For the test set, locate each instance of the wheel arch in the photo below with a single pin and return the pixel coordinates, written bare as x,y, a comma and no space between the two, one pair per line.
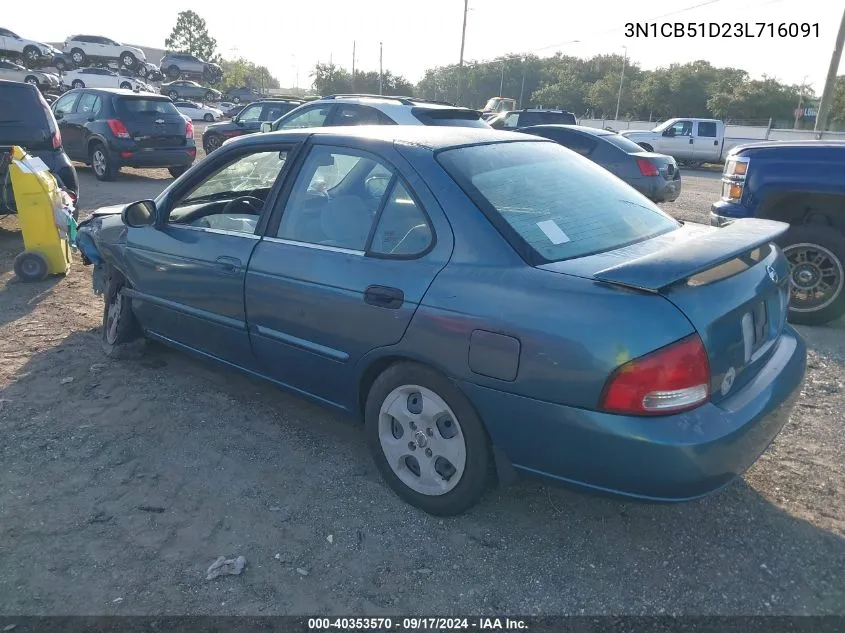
798,207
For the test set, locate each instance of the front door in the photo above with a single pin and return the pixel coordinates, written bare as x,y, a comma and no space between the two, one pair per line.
250,119
346,260
678,141
188,272
70,124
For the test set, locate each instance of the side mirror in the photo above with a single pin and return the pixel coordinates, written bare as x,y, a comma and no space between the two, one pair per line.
139,214
266,126
237,121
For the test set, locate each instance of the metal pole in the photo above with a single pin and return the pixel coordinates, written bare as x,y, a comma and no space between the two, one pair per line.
800,100
461,62
380,71
522,90
353,65
827,94
502,82
621,79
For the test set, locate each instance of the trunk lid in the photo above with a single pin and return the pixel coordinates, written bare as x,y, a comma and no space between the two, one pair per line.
152,122
732,284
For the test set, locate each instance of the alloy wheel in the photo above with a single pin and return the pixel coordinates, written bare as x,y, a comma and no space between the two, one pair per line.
816,277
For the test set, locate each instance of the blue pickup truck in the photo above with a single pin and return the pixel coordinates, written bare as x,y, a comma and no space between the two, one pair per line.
801,183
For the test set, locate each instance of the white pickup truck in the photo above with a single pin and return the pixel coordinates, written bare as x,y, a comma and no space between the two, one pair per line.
689,141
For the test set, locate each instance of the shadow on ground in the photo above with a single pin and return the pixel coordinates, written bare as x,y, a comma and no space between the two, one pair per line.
123,481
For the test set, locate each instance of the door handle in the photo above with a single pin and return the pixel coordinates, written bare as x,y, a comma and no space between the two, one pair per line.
229,265
690,141
384,297
716,142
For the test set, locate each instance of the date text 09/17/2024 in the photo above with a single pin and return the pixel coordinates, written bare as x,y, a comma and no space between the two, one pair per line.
722,29
417,624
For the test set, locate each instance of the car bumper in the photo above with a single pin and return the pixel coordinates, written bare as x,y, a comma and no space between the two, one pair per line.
156,157
723,212
658,189
662,459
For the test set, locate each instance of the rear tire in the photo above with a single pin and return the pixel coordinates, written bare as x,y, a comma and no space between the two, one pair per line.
438,420
173,72
30,266
212,142
77,83
32,80
121,336
646,147
78,56
210,96
816,257
126,85
101,163
31,55
128,60
177,171
173,95
236,99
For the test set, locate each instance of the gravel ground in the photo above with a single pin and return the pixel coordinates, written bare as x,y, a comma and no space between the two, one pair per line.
121,482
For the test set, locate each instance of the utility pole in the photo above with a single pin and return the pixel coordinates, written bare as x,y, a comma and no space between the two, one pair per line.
800,101
502,82
353,65
827,94
522,90
380,69
621,79
461,62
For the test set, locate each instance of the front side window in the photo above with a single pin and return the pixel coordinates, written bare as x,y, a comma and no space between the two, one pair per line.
511,120
313,116
252,113
232,198
681,128
551,205
65,104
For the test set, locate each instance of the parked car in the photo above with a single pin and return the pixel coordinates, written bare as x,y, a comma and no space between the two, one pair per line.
99,78
198,112
176,65
184,89
84,48
247,121
497,105
38,78
450,288
656,176
337,110
30,52
26,121
244,95
691,142
110,128
62,62
531,116
801,183
149,72
225,106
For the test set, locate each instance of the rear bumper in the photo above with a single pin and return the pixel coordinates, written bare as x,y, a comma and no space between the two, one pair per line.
158,157
667,459
658,189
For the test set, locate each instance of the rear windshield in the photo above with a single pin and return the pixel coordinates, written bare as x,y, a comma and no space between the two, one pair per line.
545,118
24,118
550,203
625,144
449,118
152,107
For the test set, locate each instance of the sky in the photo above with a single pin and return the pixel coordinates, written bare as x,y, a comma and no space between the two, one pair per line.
291,37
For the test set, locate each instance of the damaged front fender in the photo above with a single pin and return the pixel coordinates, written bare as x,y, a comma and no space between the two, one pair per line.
96,239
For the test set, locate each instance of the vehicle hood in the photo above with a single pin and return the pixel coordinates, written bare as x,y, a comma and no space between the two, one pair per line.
221,128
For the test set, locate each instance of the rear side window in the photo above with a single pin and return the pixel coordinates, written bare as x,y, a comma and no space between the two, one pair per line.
551,205
149,107
707,128
90,104
18,105
449,117
25,118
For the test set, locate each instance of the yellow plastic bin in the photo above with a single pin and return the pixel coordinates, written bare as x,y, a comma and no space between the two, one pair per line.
44,216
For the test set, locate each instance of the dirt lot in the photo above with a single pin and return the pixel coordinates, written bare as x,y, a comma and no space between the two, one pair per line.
120,482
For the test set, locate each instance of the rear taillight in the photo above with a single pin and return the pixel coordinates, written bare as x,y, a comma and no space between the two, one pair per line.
672,379
189,129
647,168
56,139
118,128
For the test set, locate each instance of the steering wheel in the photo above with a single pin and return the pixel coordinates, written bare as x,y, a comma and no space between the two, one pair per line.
250,202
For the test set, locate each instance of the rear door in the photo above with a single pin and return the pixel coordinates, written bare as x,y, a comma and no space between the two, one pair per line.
88,108
347,257
707,143
154,122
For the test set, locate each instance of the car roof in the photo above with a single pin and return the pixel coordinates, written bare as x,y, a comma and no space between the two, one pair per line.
429,136
801,143
583,129
388,100
120,92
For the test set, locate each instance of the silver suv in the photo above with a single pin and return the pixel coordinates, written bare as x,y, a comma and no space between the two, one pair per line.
180,65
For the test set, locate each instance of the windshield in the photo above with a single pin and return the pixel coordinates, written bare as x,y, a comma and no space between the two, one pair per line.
247,174
550,203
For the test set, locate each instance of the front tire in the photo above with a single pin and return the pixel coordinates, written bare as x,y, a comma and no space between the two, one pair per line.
78,56
128,60
427,440
236,99
32,80
173,95
173,72
77,83
210,96
816,256
101,163
212,142
126,85
121,336
31,54
209,118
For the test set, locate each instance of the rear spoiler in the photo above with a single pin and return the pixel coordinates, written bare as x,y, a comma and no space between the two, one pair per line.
686,259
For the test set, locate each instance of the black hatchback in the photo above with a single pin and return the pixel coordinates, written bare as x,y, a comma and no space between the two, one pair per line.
111,128
26,121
